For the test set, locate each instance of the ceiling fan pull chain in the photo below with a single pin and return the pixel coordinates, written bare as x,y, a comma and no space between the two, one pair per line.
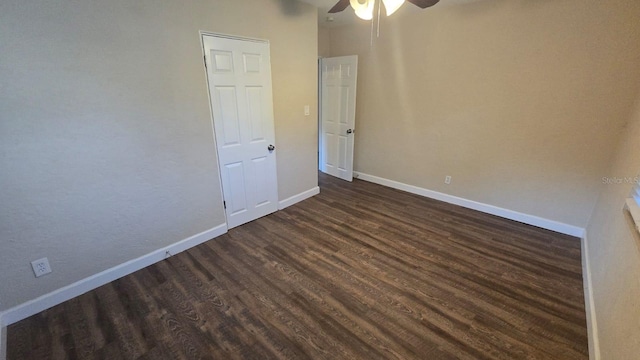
372,34
379,8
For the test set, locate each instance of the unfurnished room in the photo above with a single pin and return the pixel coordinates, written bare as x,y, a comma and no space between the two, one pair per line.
320,179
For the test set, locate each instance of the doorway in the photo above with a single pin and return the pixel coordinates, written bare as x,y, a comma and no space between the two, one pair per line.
239,81
338,80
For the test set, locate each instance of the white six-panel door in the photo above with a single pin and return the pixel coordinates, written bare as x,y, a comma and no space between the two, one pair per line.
239,74
338,115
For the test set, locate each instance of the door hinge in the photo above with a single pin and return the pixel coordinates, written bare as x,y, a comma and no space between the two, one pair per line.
205,61
224,203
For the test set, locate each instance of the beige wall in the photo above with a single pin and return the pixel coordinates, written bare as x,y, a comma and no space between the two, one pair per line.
522,102
106,146
614,255
324,42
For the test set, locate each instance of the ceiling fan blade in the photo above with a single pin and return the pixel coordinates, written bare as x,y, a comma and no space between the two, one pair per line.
423,3
341,5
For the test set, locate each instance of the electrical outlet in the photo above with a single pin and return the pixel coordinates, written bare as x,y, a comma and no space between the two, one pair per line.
447,180
41,267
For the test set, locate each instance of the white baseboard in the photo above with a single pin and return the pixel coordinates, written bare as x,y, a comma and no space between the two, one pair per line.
592,323
68,292
489,209
3,341
299,197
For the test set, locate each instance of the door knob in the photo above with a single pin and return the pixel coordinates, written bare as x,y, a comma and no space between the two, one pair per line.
271,148
349,131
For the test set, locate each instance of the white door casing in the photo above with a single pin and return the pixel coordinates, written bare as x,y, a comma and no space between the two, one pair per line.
338,115
239,79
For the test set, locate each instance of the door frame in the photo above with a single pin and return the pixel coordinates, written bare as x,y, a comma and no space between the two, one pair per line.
320,158
202,34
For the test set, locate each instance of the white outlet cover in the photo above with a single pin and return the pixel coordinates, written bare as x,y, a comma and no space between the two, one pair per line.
41,267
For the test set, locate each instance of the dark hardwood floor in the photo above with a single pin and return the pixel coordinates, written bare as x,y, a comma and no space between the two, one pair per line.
358,272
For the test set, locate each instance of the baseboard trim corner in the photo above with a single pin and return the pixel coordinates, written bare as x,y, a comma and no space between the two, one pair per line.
592,323
80,287
474,205
298,197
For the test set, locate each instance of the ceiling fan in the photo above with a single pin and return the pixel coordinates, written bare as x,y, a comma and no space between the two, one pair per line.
364,8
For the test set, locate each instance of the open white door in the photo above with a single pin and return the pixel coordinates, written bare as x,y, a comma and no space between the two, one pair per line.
239,74
338,115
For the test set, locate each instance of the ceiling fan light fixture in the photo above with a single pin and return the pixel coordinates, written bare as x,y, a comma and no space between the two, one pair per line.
392,5
363,8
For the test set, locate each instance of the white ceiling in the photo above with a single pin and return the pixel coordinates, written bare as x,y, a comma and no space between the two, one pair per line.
347,16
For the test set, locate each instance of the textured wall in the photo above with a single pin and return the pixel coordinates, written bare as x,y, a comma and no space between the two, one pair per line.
614,254
106,144
522,102
324,42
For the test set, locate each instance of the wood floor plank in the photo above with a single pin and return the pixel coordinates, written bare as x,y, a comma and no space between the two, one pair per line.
360,271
